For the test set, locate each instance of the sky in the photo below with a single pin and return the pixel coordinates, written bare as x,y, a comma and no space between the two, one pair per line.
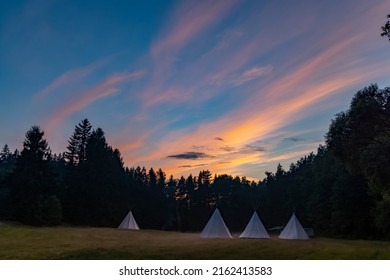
235,87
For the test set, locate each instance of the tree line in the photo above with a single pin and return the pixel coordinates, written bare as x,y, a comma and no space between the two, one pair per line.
342,190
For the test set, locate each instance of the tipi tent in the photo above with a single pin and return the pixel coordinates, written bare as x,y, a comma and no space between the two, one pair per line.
129,222
293,230
216,227
255,228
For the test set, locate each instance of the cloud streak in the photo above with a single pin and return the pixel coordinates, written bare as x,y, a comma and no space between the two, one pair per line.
105,89
191,166
70,77
188,20
186,23
252,73
190,155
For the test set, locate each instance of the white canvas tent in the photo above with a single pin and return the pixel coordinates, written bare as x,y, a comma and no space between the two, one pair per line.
129,222
255,228
293,230
215,227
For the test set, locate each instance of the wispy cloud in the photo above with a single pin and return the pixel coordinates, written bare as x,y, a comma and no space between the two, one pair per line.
191,166
107,88
190,155
228,149
173,93
249,148
188,20
252,73
198,147
71,77
185,24
292,139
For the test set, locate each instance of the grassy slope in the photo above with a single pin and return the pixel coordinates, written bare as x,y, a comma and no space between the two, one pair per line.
20,242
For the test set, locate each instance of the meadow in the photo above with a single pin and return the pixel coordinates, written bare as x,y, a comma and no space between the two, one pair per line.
23,242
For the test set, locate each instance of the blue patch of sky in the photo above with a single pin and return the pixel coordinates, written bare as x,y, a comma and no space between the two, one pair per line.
215,108
73,34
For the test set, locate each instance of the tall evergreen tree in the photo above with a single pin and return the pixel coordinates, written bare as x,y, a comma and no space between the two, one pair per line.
75,157
7,161
77,148
7,165
5,154
100,197
152,179
161,180
33,179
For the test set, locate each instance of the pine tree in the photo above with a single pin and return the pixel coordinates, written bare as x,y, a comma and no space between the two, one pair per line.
33,179
152,179
4,154
77,147
98,195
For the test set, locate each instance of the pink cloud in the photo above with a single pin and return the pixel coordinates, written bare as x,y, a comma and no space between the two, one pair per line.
185,24
240,46
253,73
169,95
105,89
71,76
188,20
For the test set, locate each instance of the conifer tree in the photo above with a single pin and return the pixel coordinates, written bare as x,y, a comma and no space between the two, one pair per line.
33,179
77,147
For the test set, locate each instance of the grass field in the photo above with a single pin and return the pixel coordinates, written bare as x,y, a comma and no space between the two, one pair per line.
22,242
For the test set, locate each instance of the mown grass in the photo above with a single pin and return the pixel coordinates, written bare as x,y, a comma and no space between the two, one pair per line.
22,242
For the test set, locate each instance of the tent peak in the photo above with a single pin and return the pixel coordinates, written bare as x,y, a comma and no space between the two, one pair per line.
216,227
293,230
255,228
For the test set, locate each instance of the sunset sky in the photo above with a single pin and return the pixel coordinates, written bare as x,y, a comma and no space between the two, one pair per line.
235,87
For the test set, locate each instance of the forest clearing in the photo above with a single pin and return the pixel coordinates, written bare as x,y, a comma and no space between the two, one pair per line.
39,243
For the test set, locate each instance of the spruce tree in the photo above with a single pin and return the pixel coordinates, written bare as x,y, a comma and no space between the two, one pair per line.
33,179
77,147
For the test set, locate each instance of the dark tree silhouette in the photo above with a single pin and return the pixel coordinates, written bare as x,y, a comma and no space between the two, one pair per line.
360,139
386,29
7,166
77,148
7,161
33,179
